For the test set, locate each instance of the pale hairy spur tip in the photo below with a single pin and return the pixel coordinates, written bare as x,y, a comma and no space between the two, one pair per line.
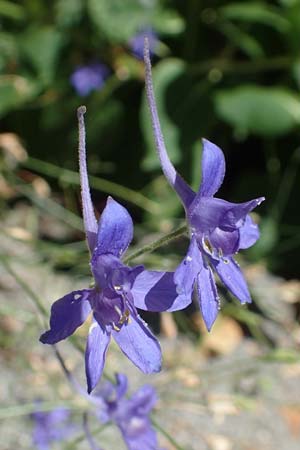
81,111
146,50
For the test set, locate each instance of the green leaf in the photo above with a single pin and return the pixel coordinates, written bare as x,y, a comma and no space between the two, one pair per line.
8,49
12,10
260,110
293,14
68,12
14,92
289,3
42,47
255,12
247,43
119,20
163,75
168,22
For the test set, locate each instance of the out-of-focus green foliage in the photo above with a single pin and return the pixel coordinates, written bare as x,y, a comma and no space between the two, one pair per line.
259,110
228,71
120,20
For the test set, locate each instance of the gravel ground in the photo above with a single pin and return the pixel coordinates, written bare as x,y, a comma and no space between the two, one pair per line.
221,394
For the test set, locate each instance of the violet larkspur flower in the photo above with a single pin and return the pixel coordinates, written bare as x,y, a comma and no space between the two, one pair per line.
218,228
136,43
131,415
86,79
117,289
51,426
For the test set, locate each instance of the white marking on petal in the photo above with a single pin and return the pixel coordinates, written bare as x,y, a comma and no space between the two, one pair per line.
94,325
179,290
117,288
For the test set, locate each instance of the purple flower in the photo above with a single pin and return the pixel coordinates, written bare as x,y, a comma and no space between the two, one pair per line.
50,426
131,415
117,290
136,43
218,228
88,78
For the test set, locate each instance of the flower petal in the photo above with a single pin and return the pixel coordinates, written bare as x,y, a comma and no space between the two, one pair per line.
235,216
122,385
208,296
143,400
213,169
138,434
186,273
103,265
223,242
50,426
156,291
206,214
139,345
249,233
232,277
67,314
89,436
115,229
89,219
185,193
95,353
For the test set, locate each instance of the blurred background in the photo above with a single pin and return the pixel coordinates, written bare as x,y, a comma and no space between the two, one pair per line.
227,71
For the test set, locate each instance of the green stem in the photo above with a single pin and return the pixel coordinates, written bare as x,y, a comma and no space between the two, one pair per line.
73,444
109,187
10,412
36,300
156,244
167,435
47,204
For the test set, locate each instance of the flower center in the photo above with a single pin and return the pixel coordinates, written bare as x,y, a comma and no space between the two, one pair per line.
123,318
216,253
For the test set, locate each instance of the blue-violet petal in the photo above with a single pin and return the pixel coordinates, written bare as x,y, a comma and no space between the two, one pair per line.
213,169
67,314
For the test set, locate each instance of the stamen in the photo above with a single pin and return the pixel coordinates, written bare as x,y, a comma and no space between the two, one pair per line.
118,311
125,317
115,327
208,245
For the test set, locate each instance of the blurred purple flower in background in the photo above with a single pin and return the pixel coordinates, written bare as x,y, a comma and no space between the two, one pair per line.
118,288
51,426
131,415
136,43
86,79
218,229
